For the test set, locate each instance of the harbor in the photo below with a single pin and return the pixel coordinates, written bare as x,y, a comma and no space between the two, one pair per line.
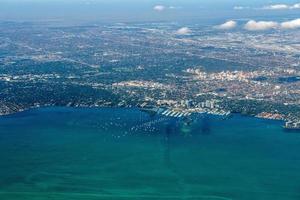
293,126
185,108
184,112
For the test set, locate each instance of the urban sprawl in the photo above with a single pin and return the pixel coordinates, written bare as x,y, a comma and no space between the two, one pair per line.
151,67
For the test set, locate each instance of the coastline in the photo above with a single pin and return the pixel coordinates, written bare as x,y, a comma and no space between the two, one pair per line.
74,108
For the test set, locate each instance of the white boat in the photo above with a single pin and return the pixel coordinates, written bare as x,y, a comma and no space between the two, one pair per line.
168,113
177,114
165,112
172,114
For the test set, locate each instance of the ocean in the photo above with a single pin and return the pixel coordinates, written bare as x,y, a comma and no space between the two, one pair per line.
122,153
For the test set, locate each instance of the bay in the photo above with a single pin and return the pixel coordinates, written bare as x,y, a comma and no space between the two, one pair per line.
121,153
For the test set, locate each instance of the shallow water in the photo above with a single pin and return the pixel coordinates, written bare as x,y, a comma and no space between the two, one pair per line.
64,153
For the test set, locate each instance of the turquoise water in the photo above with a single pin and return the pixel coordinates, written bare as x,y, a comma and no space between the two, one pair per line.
64,153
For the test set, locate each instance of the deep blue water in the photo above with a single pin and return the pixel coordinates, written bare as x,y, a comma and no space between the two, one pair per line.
65,153
290,79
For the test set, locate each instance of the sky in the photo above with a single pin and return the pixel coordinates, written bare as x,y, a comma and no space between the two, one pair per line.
147,10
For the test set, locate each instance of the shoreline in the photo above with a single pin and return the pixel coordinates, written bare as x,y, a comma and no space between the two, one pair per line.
129,107
279,122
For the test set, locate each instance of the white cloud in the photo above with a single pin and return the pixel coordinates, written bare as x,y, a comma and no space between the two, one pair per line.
238,8
253,25
296,6
159,8
174,7
183,31
282,7
227,25
276,7
241,7
279,6
291,24
260,25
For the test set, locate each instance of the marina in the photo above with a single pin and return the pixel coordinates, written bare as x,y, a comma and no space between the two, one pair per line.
292,126
180,113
